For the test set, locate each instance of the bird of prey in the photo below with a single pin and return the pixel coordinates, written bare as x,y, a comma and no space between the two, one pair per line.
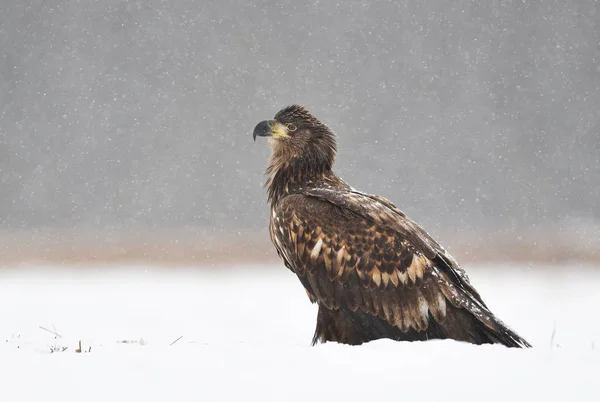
373,272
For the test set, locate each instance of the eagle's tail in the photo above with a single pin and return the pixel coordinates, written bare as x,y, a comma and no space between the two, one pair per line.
507,337
473,314
481,327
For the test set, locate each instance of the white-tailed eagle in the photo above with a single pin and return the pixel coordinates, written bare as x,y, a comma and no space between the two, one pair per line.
373,271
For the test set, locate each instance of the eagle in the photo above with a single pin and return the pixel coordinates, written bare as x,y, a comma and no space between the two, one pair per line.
373,272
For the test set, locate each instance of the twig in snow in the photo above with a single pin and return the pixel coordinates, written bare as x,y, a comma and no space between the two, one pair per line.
172,343
58,349
52,332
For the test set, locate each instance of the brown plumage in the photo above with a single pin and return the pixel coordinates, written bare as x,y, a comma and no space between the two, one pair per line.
373,272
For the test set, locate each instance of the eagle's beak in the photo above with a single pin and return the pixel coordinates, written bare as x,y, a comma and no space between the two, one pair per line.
270,128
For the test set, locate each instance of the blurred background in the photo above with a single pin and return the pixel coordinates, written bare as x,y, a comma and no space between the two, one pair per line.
125,126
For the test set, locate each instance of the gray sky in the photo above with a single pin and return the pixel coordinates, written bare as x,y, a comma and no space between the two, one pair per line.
138,115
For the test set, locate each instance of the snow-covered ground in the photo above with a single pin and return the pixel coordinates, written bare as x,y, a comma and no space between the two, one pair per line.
243,333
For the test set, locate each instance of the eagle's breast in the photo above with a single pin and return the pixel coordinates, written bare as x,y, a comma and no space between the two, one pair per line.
277,230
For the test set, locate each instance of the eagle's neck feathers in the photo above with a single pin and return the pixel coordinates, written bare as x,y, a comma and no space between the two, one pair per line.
289,173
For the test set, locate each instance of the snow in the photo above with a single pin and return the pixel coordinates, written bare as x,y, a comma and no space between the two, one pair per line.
243,333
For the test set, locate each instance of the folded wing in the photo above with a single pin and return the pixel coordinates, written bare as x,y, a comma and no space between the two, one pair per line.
359,253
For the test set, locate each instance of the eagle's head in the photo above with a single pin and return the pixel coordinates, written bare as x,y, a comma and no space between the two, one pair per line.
295,135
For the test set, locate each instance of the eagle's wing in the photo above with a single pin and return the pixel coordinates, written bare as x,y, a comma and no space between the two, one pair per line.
403,222
359,252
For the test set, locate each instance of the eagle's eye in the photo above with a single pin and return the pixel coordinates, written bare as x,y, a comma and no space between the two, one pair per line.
290,127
